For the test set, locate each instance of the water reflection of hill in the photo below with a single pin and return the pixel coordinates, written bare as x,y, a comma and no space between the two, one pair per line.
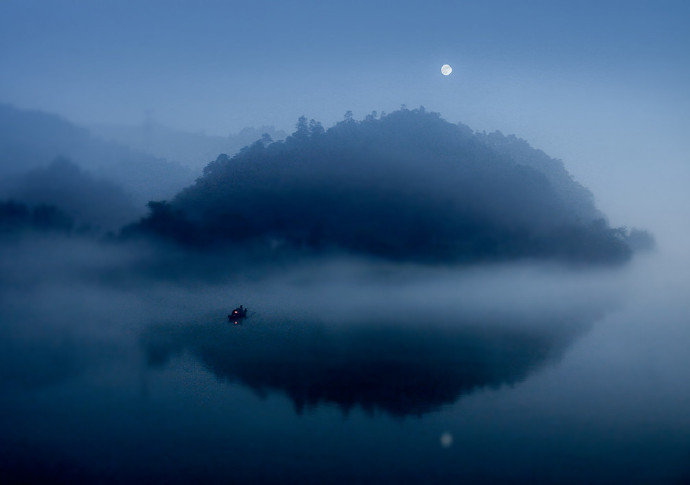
401,370
37,364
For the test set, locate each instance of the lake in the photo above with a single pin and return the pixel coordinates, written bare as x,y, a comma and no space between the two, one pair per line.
344,371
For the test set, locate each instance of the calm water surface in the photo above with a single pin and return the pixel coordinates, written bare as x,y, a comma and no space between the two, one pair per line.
356,375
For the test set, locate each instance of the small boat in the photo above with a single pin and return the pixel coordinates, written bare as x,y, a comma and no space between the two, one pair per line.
237,315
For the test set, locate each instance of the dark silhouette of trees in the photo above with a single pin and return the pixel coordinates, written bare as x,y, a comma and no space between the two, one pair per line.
167,222
302,132
89,200
408,185
641,240
346,368
17,218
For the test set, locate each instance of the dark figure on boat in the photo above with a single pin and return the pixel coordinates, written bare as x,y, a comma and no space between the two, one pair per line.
237,314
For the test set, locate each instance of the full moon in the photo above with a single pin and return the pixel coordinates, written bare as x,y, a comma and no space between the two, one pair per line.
446,69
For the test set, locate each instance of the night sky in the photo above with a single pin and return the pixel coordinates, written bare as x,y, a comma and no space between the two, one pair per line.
601,85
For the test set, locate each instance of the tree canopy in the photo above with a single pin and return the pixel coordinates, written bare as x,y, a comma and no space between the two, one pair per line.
407,185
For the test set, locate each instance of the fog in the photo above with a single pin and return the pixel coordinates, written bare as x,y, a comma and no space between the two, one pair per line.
555,367
470,350
68,305
474,278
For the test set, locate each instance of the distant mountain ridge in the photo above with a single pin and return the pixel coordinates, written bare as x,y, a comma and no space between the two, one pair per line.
45,159
96,203
33,139
193,150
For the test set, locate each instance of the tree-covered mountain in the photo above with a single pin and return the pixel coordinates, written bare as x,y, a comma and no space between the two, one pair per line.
408,185
579,199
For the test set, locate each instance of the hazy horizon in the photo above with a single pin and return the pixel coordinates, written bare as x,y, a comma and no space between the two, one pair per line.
602,87
372,298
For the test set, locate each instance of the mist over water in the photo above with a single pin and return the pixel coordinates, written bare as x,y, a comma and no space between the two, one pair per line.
431,297
535,370
487,327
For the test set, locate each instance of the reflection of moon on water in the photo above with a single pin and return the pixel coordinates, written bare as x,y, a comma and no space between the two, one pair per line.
446,439
398,369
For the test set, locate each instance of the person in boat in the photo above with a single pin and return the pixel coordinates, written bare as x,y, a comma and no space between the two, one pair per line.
239,312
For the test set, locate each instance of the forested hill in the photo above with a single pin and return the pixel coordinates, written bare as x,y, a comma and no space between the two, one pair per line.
407,185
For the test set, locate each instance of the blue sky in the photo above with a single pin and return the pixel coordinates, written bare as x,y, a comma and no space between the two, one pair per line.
219,65
602,85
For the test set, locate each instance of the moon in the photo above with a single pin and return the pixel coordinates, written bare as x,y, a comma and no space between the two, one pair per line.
446,70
